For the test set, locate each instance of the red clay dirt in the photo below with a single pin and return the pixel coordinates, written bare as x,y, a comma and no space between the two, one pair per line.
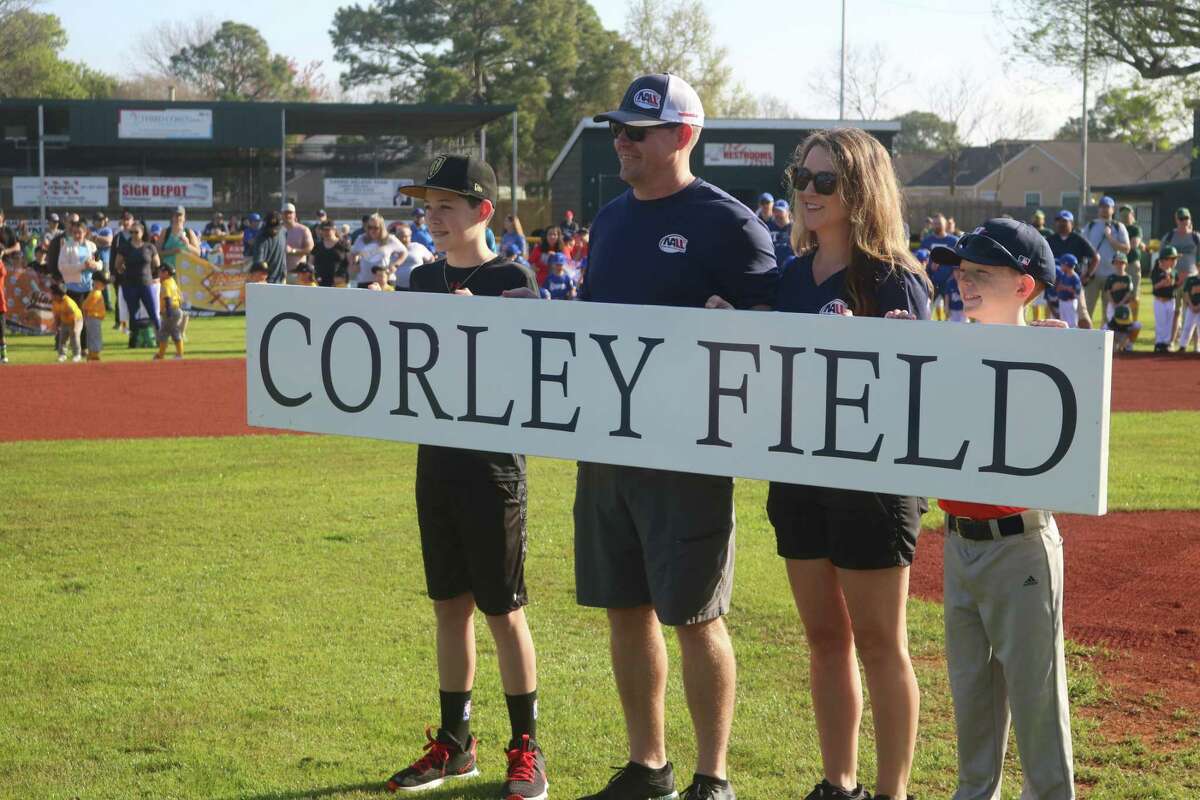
1152,382
1132,579
123,400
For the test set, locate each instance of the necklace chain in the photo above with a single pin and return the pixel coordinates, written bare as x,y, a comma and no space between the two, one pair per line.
463,285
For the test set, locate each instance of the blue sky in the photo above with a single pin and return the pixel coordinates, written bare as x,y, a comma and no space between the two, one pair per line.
775,52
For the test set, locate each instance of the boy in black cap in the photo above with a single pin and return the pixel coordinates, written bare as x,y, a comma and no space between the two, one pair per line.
471,512
1004,567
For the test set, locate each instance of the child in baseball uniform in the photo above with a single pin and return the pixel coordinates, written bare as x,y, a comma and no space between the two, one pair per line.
170,312
1162,279
93,316
68,323
1125,329
1191,314
1068,288
1118,288
1003,569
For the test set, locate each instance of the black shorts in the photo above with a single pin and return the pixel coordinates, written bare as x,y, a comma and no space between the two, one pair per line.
854,530
473,540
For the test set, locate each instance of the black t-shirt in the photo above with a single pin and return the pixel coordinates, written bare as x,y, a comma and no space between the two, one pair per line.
895,289
330,261
679,251
8,238
1075,245
139,265
488,280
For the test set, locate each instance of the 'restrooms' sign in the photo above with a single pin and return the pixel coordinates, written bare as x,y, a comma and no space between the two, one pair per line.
1009,415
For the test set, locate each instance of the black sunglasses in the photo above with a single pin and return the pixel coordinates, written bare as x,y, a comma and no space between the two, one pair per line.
636,133
823,182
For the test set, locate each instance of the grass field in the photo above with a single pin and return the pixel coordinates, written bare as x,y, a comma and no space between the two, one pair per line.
225,337
257,628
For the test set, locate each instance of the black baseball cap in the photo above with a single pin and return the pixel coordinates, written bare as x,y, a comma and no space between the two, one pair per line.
469,176
1002,243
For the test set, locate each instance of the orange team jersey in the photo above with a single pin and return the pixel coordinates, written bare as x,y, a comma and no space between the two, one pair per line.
978,511
168,292
65,311
93,306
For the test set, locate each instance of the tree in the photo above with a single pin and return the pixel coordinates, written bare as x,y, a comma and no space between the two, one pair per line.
235,63
677,36
1159,39
921,132
29,62
1139,114
871,78
553,59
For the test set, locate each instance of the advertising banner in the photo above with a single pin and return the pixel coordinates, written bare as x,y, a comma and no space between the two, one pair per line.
208,287
166,192
67,190
171,123
366,193
729,154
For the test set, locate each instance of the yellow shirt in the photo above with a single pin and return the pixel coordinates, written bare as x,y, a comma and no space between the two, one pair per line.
65,311
168,294
93,306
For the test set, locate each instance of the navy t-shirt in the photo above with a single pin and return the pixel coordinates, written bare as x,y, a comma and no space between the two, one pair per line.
781,240
1073,244
679,251
894,289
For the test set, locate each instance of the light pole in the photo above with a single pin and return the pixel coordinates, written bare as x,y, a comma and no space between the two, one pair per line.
1087,41
842,81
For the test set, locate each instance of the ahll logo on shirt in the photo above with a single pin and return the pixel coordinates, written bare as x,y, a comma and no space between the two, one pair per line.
673,243
836,306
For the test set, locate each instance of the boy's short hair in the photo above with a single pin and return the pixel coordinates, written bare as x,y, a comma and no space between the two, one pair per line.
378,269
100,277
259,266
57,290
167,268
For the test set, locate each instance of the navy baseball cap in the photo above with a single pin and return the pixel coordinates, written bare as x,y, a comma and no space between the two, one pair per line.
782,204
657,99
1064,214
1002,243
1068,260
766,197
254,216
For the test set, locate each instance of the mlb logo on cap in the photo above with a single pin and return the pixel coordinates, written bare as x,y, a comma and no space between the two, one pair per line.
657,99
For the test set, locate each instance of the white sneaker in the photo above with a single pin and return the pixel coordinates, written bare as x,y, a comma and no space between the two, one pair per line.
62,357
176,357
77,359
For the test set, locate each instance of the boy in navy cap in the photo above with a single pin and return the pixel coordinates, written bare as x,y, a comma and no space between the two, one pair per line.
558,283
1004,568
766,202
1068,287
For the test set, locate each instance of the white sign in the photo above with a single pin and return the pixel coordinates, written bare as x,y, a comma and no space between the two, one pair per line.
63,190
1008,415
160,192
171,123
729,154
366,193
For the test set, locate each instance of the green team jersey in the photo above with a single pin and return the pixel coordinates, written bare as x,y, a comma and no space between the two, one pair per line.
1157,275
1191,289
1118,286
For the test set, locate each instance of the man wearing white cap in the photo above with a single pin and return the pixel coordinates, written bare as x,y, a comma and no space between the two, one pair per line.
299,240
1109,237
654,547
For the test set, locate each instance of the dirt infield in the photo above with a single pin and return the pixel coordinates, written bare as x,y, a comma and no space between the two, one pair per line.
1132,586
1132,579
125,400
1148,382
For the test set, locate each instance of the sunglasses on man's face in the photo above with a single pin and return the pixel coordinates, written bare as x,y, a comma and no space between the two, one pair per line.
636,133
823,182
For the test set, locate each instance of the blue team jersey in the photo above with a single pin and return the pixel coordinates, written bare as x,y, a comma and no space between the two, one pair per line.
1051,292
953,295
781,240
559,286
1068,287
931,241
420,233
895,289
679,251
940,275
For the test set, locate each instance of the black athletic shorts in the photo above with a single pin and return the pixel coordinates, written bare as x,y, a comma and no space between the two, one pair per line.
473,540
854,530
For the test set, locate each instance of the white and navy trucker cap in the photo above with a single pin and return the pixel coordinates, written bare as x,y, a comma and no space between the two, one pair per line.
657,100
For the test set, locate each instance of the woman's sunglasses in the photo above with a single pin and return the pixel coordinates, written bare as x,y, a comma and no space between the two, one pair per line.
636,133
823,182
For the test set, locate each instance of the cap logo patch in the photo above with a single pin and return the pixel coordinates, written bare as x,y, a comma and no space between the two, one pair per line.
673,243
648,98
437,164
1023,261
479,188
980,229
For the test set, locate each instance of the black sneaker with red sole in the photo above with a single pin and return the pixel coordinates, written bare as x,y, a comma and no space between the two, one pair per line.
526,778
445,760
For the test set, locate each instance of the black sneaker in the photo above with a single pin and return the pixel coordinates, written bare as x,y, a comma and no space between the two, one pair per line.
526,771
445,760
706,788
827,791
636,781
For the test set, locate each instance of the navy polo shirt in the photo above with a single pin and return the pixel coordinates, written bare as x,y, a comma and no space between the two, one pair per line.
895,289
679,251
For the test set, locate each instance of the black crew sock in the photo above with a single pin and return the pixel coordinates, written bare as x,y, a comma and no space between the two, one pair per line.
456,715
522,715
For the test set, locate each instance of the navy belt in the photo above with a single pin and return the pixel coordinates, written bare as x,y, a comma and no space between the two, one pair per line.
982,530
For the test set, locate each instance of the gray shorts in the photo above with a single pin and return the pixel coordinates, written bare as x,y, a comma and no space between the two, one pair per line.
95,333
648,536
171,327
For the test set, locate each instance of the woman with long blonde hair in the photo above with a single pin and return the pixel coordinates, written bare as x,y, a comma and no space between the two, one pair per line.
847,551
